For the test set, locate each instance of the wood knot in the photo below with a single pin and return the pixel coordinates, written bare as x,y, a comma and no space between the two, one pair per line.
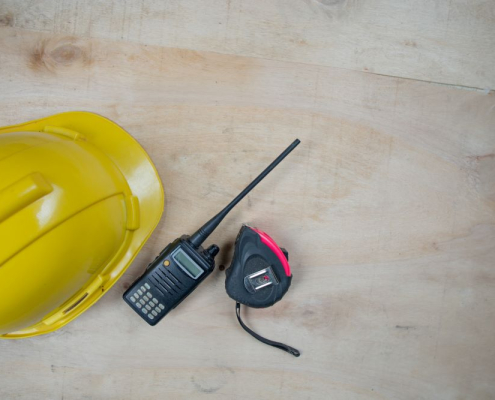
66,54
7,19
57,54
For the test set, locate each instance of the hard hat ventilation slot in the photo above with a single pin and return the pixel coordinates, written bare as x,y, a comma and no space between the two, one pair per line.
76,303
22,193
132,211
68,133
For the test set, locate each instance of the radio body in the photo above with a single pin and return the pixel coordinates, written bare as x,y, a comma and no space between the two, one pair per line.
170,278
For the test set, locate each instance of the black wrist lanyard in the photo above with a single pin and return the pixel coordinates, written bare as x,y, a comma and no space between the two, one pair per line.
281,346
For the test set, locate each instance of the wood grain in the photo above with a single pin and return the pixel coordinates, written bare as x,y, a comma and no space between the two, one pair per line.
436,40
387,209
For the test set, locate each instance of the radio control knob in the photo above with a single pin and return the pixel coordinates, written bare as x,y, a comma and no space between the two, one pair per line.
212,251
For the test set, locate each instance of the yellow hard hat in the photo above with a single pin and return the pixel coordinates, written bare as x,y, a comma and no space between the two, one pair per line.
78,199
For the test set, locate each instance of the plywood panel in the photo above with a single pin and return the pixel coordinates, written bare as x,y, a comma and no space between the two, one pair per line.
439,41
387,209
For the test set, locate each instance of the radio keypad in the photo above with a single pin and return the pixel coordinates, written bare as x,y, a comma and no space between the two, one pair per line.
146,302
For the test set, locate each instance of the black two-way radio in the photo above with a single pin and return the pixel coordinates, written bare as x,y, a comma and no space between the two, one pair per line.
183,264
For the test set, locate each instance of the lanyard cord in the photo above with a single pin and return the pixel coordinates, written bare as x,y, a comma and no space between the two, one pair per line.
281,346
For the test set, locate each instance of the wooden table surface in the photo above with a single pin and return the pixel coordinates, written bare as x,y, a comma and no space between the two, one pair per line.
387,207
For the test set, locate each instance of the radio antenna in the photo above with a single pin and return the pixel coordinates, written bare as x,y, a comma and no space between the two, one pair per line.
206,230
